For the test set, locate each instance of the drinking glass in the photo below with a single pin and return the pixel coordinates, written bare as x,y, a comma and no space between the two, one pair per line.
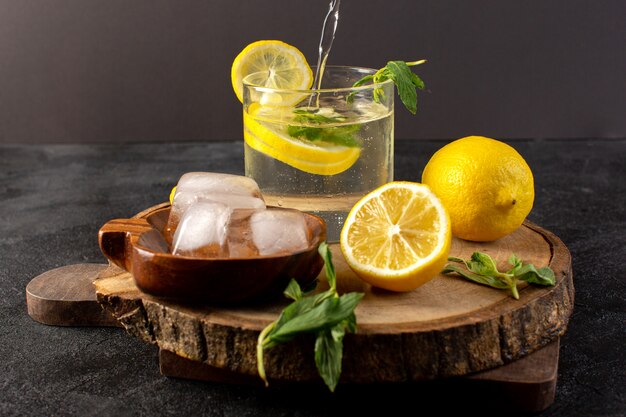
319,150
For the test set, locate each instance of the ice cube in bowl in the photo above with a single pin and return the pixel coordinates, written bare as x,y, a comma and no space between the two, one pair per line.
202,230
138,245
235,191
277,231
219,183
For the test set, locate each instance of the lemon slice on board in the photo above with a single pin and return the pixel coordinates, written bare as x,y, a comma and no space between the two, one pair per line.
278,65
397,237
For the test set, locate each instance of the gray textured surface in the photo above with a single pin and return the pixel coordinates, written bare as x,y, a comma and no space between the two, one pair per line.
113,70
55,198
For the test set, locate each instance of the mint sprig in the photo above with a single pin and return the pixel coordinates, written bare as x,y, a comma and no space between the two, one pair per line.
481,268
327,315
337,135
406,81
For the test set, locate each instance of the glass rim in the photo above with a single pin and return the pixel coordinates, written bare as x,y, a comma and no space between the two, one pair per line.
366,70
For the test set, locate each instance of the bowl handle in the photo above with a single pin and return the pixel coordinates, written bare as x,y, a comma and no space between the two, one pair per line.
117,238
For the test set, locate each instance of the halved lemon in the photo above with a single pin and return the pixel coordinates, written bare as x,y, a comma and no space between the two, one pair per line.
397,237
278,64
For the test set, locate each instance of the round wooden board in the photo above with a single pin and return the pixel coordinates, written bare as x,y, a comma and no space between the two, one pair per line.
447,327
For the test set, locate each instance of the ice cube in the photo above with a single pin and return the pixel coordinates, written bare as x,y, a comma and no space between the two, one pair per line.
234,201
202,231
212,182
239,235
235,191
279,231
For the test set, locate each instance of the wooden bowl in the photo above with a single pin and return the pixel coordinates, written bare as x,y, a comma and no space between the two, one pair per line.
138,246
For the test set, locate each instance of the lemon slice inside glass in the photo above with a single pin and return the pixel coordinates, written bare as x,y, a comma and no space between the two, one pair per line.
275,64
397,237
318,158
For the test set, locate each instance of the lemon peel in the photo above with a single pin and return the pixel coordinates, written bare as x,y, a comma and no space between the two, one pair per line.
486,186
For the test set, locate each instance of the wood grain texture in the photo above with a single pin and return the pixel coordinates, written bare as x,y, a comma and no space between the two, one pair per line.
65,296
448,327
527,384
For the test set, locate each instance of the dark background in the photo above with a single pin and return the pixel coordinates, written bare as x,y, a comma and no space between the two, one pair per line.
117,71
156,70
56,197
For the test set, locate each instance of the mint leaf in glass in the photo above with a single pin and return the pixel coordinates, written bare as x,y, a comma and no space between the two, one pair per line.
310,126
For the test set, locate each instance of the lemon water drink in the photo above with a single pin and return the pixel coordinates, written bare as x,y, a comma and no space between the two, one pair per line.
318,149
319,158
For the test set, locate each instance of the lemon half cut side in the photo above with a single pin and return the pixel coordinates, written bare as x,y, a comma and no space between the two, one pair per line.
397,237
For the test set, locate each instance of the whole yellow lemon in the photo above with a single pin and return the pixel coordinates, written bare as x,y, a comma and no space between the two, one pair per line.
485,185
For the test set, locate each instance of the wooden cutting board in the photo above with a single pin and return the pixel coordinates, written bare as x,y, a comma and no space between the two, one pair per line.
448,327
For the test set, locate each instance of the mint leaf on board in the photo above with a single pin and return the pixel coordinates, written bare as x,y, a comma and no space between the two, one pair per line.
481,268
482,264
515,262
326,314
472,276
329,267
329,353
542,276
299,307
406,81
293,290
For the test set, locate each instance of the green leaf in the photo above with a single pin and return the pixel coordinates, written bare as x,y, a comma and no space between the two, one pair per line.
326,314
314,116
327,256
363,80
483,264
293,310
459,260
400,73
379,95
481,268
417,81
480,279
304,132
337,135
329,353
515,262
293,290
405,80
260,345
351,323
542,276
